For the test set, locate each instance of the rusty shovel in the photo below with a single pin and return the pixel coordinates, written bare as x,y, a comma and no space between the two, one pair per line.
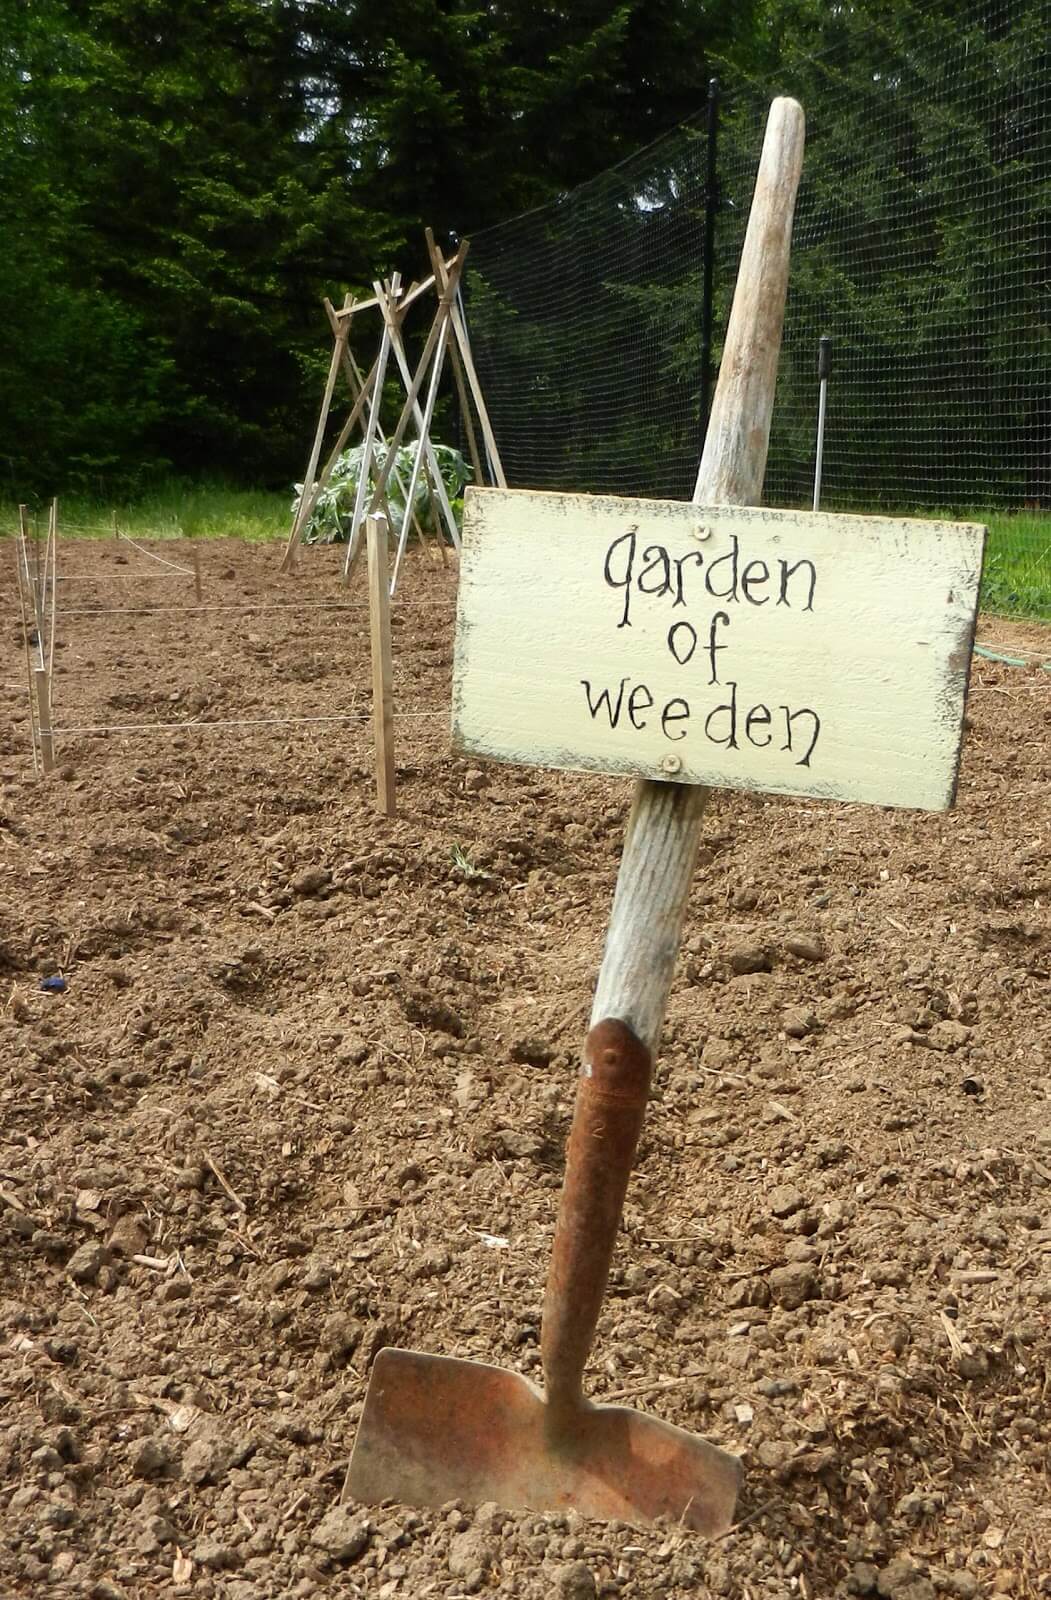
436,1429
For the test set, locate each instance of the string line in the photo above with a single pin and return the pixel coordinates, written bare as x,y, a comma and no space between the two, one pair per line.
250,722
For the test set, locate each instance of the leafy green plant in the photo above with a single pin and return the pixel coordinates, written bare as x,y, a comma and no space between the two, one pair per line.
332,516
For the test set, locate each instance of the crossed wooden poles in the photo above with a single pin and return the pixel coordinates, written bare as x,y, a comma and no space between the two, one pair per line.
447,336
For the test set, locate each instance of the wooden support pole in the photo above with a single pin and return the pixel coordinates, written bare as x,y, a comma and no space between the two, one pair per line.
50,566
382,674
20,568
433,353
663,832
411,405
464,345
197,586
42,690
355,383
361,500
457,365
423,447
339,344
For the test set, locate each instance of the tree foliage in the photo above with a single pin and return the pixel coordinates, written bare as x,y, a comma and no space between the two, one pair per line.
184,179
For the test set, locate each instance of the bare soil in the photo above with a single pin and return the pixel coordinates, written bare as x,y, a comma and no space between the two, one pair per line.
306,1090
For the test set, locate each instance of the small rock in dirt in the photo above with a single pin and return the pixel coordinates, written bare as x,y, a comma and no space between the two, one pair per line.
785,1200
515,1144
829,1152
468,1552
963,1584
532,1052
342,1536
174,1289
206,1460
474,781
154,1534
799,1021
434,1263
128,1235
105,1590
863,1576
791,1285
575,1581
744,958
85,1264
341,1334
44,1239
319,1273
311,881
901,1579
806,946
150,1458
948,1035
217,1557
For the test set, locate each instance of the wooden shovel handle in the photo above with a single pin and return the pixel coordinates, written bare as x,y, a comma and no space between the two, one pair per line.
612,1091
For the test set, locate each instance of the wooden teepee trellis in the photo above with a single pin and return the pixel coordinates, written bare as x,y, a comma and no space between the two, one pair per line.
379,466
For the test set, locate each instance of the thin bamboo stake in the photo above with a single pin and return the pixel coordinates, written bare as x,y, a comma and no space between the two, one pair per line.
52,540
355,382
663,831
412,399
458,377
382,666
42,687
29,663
414,294
464,344
442,322
31,574
422,447
197,588
365,470
338,346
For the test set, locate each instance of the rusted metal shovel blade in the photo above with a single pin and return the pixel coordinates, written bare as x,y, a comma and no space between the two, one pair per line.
436,1429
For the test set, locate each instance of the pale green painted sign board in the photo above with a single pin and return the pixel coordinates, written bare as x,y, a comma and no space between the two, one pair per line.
791,652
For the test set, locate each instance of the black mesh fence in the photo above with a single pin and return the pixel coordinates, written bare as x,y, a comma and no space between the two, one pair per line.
922,247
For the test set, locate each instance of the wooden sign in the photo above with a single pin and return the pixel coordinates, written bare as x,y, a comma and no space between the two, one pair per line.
786,651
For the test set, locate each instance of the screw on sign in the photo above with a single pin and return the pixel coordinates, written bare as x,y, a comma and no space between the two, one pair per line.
775,650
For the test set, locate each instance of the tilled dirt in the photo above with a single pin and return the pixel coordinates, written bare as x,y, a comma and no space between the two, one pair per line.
306,1089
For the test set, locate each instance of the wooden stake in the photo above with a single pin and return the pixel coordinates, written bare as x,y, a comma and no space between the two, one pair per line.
663,831
116,534
422,425
51,561
365,470
19,564
197,588
457,366
411,405
382,673
42,688
424,447
464,344
356,383
338,346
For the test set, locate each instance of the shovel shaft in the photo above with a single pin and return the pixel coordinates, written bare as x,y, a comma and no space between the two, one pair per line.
612,1092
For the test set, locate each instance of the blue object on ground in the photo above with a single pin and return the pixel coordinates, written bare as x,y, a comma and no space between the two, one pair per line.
54,985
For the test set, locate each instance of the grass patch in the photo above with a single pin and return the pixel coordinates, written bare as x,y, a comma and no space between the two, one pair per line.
1017,577
173,509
